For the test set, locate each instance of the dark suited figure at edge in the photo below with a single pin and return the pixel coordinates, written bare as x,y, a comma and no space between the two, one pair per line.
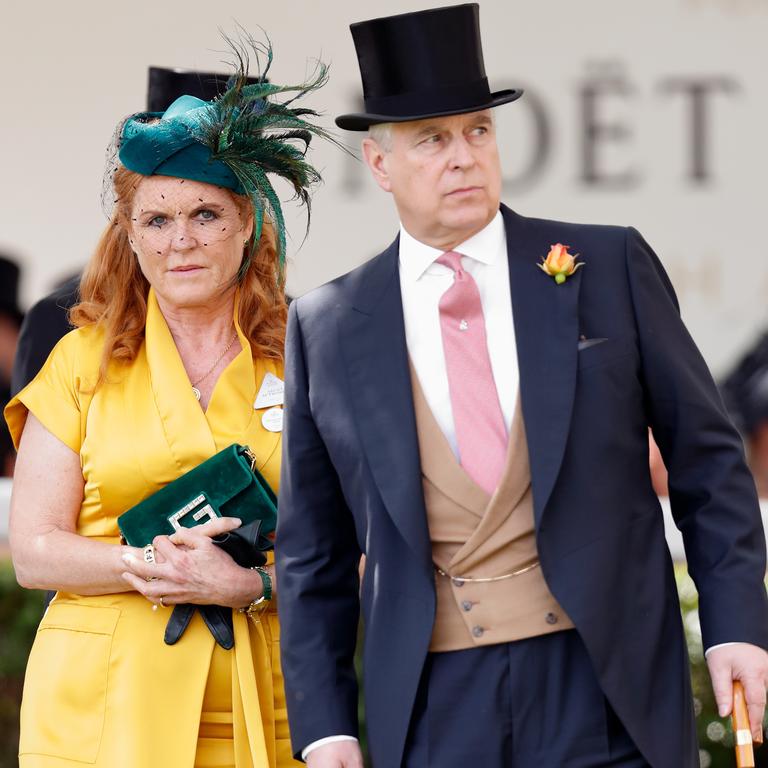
11,318
745,391
470,410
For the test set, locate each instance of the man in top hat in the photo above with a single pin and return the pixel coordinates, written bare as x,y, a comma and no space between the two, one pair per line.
474,420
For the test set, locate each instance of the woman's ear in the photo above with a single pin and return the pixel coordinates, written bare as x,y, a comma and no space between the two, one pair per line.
248,226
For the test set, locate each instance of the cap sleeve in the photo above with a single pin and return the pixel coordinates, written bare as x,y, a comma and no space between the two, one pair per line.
55,395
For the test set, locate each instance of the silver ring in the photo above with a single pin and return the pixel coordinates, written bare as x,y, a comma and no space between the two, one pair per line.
149,554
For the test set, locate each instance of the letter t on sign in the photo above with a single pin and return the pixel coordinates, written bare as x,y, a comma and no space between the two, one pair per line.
698,91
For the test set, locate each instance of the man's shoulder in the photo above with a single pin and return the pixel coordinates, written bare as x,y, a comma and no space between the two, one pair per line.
603,244
611,234
50,312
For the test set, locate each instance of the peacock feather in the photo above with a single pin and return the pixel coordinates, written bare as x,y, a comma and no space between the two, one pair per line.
255,135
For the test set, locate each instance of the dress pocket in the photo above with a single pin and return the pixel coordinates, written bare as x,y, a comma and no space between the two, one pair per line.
65,689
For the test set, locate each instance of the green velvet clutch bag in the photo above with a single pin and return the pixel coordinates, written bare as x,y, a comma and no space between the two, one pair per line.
226,485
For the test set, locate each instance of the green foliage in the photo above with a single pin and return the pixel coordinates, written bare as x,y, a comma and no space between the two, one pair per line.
20,613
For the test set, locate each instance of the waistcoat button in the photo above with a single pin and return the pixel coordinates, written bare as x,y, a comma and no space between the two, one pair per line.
477,631
466,605
550,618
457,582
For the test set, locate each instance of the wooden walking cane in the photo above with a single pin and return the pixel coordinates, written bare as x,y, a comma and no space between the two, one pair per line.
745,756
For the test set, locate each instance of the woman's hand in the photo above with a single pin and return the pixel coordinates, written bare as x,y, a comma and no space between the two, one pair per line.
190,568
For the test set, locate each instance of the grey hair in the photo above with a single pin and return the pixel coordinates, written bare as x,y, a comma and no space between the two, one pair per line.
381,133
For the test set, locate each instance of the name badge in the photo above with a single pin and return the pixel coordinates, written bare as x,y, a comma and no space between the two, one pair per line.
272,420
271,392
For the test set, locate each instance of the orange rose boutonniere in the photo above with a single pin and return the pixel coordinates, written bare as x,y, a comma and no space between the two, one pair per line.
559,263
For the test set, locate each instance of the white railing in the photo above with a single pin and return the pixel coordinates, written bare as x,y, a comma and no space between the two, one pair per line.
5,500
674,539
5,503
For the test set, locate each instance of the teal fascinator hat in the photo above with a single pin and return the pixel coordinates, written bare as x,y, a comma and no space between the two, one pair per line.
168,144
234,141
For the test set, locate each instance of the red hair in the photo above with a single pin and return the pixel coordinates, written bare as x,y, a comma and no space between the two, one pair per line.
113,290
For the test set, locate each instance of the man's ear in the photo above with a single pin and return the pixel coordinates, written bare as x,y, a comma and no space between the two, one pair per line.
375,159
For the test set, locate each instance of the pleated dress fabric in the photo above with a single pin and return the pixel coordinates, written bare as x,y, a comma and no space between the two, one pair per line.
101,687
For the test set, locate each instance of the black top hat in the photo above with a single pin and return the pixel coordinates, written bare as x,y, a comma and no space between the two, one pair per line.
422,64
9,290
164,86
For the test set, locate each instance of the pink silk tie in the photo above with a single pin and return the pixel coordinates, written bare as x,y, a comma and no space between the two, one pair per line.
480,430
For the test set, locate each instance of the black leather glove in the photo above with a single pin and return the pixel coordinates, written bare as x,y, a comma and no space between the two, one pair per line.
244,545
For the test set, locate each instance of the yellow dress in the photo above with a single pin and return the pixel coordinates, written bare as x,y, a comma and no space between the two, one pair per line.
102,688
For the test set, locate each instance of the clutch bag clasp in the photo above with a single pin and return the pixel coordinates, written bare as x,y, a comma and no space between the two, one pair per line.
250,456
198,512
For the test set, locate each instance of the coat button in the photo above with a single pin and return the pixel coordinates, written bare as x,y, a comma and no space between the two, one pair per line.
457,582
550,618
466,605
477,631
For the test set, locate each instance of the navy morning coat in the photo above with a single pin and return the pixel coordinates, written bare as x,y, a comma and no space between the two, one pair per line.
351,484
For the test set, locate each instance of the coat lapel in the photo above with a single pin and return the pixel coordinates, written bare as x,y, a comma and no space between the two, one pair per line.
372,336
547,333
186,429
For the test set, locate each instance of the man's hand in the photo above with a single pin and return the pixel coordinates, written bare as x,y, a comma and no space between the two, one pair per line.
337,754
745,662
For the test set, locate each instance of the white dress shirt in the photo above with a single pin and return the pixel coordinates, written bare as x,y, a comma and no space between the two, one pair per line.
423,282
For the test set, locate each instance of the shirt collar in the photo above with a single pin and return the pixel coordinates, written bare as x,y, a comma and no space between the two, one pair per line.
485,246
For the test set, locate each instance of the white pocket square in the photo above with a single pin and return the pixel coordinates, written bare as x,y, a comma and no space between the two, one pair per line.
587,343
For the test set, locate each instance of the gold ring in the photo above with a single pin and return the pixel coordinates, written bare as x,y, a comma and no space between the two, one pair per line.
162,603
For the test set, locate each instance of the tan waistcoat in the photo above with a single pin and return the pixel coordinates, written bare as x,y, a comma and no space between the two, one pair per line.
477,536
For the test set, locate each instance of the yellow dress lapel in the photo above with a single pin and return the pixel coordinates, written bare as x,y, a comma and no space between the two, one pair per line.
194,435
262,442
230,411
186,428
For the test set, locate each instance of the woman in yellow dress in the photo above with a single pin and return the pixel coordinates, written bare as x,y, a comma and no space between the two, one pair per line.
177,355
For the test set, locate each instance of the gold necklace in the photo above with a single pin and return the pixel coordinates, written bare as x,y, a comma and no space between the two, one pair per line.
195,390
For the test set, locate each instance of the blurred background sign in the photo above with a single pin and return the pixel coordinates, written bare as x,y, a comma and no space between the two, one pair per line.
651,114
